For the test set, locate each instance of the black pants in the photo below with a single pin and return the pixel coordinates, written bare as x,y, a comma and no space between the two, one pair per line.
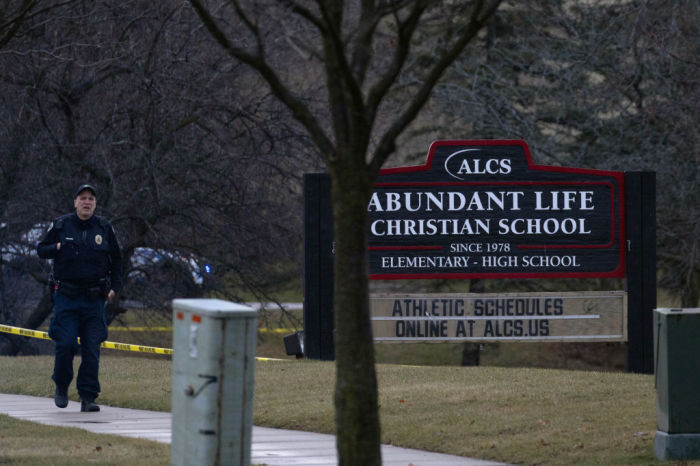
75,317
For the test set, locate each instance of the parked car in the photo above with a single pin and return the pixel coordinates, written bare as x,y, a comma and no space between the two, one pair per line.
156,276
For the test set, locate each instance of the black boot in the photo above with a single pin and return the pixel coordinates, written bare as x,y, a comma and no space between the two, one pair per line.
61,398
88,406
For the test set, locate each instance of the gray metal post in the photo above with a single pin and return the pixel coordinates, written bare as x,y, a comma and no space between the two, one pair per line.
212,382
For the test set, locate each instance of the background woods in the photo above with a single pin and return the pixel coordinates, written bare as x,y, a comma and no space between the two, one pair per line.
196,121
139,99
191,160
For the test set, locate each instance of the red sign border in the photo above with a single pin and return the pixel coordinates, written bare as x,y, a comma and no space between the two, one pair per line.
619,272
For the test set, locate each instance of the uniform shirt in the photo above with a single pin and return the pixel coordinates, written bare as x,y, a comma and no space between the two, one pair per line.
89,251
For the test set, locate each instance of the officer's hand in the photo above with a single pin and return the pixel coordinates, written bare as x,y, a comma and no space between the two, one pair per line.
58,246
110,295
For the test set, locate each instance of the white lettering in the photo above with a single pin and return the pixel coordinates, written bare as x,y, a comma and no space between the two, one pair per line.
536,226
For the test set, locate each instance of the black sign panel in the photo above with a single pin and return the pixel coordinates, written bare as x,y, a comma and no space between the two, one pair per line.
482,209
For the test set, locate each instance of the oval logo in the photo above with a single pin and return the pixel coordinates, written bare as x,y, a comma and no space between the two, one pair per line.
461,165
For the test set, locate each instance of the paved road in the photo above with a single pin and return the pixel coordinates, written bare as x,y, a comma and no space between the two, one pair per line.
270,446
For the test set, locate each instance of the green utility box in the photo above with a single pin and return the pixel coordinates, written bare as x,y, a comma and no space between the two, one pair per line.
677,377
214,345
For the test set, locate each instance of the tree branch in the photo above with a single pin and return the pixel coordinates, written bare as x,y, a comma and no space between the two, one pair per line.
479,17
299,110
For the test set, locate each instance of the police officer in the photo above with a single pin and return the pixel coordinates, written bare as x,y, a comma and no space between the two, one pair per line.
87,265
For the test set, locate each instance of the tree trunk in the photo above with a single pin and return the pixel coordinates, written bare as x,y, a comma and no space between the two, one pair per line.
357,418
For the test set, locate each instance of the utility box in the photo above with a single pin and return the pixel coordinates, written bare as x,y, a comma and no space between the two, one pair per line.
212,382
677,380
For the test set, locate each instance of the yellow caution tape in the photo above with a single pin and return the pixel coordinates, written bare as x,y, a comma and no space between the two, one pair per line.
107,344
24,332
170,329
141,329
138,348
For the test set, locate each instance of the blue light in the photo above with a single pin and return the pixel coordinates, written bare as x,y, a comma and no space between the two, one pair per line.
207,268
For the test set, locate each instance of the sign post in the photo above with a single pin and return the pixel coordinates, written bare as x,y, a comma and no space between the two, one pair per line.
641,269
318,268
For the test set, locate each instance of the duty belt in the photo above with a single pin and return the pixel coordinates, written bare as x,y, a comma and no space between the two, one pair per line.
72,290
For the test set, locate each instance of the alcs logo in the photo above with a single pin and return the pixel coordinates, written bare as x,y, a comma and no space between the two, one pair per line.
461,164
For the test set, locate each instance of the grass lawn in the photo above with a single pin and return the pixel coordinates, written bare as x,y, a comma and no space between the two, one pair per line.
27,443
515,415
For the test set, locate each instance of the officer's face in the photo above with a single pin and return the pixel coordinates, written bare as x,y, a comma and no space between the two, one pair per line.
85,204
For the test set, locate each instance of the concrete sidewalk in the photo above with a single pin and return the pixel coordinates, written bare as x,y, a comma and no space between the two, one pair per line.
270,446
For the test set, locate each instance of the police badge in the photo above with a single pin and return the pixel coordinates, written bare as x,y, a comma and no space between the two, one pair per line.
98,239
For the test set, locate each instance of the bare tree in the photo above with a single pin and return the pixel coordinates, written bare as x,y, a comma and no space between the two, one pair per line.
12,15
191,164
350,100
610,85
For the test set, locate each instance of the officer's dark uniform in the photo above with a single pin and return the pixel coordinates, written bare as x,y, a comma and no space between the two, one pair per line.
87,265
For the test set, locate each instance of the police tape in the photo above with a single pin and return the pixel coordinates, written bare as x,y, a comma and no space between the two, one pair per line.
170,329
24,332
106,344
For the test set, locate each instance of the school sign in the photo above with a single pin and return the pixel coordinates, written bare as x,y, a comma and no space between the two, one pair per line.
487,317
483,209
